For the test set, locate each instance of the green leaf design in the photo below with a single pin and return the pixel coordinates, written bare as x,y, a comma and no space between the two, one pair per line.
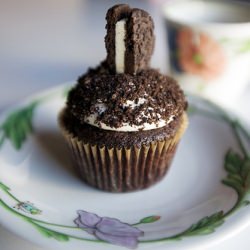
49,233
245,203
206,225
238,173
149,219
18,125
233,162
231,183
4,187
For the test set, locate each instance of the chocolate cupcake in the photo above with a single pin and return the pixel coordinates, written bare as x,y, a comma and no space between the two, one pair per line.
123,120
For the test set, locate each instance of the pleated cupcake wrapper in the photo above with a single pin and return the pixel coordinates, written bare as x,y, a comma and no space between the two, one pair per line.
123,169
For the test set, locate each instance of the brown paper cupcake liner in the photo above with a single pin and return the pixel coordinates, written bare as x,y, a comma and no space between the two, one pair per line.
123,169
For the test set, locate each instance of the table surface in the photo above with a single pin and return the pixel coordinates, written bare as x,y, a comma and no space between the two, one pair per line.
46,43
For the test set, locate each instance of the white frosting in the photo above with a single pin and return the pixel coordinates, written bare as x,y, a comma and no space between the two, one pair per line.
126,127
120,47
132,104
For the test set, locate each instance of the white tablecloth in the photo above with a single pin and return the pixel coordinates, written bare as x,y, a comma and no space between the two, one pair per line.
45,43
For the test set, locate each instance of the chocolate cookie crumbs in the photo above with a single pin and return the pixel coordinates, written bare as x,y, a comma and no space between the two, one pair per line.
117,99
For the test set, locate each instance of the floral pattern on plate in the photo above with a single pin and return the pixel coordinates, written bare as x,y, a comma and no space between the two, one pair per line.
105,229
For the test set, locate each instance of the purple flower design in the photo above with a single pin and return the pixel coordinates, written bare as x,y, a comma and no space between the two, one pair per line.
109,229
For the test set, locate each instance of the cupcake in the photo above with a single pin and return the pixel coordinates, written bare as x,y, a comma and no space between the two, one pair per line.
123,120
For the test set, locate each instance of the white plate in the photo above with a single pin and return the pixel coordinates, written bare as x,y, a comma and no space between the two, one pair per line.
41,196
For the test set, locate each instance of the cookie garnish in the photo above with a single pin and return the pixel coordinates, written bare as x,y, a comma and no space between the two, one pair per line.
129,40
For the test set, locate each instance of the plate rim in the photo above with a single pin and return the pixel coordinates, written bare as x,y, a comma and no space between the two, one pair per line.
66,85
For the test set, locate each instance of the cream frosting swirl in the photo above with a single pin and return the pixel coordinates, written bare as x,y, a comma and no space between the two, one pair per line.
92,119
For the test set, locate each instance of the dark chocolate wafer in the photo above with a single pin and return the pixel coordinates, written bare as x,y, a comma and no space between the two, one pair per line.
138,39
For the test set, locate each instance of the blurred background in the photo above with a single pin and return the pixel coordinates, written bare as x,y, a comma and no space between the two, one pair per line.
50,42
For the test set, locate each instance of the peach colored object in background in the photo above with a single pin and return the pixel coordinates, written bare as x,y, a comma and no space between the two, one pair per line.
199,54
209,47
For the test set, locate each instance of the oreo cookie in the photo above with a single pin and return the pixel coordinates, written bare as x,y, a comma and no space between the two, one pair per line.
138,38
